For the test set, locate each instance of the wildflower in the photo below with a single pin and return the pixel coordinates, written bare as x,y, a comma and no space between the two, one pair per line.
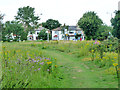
55,65
35,70
113,60
3,46
32,66
39,68
95,42
115,64
38,60
35,61
118,69
115,57
42,63
46,59
48,70
92,50
87,44
49,63
104,57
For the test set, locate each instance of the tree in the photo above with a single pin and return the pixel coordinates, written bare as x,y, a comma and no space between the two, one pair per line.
13,27
26,16
103,32
1,26
116,24
90,23
43,35
51,24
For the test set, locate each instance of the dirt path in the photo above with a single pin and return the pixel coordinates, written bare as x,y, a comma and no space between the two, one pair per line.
77,74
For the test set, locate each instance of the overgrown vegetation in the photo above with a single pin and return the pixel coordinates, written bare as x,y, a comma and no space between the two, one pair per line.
24,66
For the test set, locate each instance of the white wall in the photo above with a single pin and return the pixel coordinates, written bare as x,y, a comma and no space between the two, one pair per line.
59,34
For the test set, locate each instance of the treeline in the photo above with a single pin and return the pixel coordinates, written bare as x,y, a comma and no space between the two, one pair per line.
26,21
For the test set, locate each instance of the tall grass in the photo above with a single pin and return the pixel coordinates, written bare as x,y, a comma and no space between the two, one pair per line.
103,54
24,66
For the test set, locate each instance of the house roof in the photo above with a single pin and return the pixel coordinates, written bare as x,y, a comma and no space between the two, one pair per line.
57,29
69,28
72,27
39,29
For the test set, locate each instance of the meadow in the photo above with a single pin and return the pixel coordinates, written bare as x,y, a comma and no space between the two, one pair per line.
59,64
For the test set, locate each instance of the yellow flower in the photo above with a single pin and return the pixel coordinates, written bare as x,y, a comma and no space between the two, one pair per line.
115,57
115,64
118,69
46,60
5,53
92,50
104,57
110,45
3,47
55,58
49,63
113,60
55,65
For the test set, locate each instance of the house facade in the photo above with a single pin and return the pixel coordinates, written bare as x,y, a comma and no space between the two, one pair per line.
34,35
57,34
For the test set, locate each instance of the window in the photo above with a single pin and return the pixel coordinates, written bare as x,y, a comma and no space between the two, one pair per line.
56,32
71,32
79,31
37,33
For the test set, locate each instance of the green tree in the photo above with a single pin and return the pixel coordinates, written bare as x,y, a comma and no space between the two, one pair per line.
116,24
13,27
51,24
1,26
43,35
90,23
103,32
26,16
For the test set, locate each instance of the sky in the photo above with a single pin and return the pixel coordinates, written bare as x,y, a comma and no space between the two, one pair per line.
65,11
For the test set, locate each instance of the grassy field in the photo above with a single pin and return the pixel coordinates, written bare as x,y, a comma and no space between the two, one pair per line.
59,64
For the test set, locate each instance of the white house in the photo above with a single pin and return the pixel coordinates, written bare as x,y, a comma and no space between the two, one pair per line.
34,36
57,34
12,36
73,30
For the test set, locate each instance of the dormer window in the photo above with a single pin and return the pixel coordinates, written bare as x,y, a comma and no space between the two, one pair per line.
71,32
37,33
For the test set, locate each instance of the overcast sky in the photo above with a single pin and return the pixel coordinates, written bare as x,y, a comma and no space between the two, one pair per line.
65,11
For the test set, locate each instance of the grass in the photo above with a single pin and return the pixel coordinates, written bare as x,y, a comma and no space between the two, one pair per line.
79,74
24,65
70,65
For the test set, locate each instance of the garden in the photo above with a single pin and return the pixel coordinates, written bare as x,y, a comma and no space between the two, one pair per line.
60,64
